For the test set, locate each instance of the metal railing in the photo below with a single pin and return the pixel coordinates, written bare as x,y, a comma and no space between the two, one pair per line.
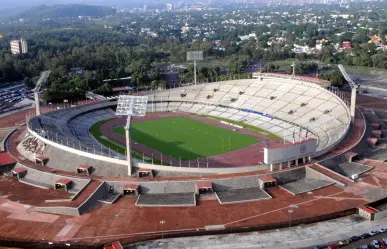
351,83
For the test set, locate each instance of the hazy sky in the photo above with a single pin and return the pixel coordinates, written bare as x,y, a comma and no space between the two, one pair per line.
10,8
11,4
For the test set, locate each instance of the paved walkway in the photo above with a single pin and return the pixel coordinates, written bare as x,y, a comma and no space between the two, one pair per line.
297,237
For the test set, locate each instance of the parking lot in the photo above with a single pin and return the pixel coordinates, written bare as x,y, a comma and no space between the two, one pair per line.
359,241
9,96
368,242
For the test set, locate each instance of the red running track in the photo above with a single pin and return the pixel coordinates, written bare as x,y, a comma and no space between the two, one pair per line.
248,156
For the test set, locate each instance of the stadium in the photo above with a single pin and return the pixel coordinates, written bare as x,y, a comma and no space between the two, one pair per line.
220,157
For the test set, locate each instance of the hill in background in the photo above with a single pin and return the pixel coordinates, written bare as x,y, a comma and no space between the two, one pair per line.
64,10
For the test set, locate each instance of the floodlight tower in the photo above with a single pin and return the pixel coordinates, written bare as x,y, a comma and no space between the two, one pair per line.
129,105
294,69
127,139
354,88
195,56
42,80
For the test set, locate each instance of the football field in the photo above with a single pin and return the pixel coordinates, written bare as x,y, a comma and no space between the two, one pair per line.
186,138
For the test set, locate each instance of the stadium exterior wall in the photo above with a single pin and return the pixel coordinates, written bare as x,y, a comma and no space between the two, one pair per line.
330,147
292,152
311,173
59,210
97,195
3,145
358,143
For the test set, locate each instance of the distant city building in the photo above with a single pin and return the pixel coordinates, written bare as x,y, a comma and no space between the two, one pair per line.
145,8
169,7
299,49
218,42
185,29
346,45
320,44
19,46
248,37
145,30
375,39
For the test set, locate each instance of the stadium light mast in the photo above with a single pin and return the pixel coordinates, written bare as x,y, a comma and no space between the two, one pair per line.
42,80
162,222
131,106
354,88
194,56
294,69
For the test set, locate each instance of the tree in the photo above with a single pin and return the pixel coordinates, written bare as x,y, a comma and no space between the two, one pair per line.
162,84
271,67
29,82
237,63
105,89
334,76
121,73
379,60
154,84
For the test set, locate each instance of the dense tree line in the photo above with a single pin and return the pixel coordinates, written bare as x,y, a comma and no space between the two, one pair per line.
120,51
334,76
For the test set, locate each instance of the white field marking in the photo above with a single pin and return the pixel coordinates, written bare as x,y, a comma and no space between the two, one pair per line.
204,132
279,209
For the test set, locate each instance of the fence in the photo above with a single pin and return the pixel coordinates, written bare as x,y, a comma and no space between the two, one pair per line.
72,142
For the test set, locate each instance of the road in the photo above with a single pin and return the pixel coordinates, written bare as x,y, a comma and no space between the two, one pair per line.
297,237
368,241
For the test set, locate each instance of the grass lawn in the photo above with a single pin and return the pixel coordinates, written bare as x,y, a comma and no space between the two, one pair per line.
186,138
116,146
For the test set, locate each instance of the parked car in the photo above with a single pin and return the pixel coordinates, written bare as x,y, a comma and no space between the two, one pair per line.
343,242
375,244
372,233
333,246
381,244
364,247
320,247
354,238
385,241
365,235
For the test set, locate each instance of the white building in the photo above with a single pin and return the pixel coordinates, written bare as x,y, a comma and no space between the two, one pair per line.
247,37
169,7
298,49
19,46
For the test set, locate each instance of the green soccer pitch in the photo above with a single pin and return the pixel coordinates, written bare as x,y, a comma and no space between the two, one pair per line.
186,138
